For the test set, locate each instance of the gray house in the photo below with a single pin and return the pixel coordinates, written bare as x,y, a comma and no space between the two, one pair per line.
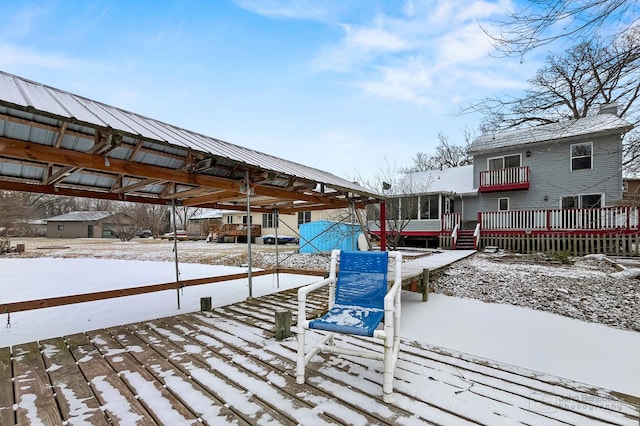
569,165
82,224
562,179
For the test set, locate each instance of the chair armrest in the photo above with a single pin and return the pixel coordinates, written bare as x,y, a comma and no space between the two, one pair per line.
389,299
391,295
303,291
302,298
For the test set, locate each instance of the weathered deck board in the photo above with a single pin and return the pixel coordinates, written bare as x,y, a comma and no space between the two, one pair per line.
225,366
208,407
6,388
32,389
73,394
118,402
162,404
205,364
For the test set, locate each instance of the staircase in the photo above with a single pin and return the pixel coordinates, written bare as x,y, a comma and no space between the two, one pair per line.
465,240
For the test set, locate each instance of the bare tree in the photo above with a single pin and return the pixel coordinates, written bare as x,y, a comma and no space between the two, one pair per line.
15,210
537,23
575,84
401,202
446,155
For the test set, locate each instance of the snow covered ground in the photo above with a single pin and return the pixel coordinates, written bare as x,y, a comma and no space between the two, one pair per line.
592,353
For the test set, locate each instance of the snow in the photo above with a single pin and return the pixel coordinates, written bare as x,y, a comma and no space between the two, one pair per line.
591,353
565,347
29,279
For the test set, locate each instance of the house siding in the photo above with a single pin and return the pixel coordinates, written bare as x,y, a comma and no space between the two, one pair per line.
551,176
72,230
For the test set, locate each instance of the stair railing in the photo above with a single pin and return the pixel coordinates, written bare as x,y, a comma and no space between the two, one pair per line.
454,236
476,237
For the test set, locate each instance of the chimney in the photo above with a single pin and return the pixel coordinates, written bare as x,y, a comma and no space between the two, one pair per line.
610,108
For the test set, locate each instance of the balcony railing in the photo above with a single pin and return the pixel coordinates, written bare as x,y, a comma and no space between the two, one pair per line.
509,179
604,219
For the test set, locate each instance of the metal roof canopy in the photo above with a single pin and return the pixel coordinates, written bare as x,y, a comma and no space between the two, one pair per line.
55,142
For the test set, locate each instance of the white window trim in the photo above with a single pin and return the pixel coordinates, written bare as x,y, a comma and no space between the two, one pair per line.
571,155
508,204
579,196
502,156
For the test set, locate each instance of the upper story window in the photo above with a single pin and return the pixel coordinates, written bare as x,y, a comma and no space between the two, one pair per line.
269,220
508,161
581,155
304,217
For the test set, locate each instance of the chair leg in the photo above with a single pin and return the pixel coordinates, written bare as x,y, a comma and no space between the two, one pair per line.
387,376
300,366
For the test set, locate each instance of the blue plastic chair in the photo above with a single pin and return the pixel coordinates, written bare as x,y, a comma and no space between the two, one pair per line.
359,304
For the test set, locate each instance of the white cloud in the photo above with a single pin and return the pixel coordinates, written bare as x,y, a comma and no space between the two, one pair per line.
15,57
428,51
374,39
288,9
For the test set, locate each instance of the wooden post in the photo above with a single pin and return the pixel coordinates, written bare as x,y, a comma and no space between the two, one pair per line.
425,283
283,324
205,303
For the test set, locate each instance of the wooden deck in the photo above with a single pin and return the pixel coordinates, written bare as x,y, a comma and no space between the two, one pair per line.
224,366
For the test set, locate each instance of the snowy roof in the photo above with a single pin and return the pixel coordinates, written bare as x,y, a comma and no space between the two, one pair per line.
207,214
595,124
80,216
457,180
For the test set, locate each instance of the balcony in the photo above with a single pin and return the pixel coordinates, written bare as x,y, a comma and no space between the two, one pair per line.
510,179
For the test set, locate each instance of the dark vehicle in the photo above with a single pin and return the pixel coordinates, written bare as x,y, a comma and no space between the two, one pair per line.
282,239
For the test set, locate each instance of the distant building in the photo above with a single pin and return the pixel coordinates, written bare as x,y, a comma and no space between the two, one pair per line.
82,224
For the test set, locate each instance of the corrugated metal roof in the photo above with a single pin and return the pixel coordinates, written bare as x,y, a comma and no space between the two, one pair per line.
595,124
31,95
457,180
80,216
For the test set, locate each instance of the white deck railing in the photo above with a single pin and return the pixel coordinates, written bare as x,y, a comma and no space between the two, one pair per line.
604,219
450,221
502,177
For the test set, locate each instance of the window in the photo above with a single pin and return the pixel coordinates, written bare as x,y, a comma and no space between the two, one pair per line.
393,210
244,220
505,162
409,207
304,217
587,201
581,155
373,212
593,201
570,202
229,219
503,204
429,207
269,220
60,227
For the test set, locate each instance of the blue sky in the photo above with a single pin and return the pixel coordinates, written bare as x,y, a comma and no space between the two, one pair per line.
351,87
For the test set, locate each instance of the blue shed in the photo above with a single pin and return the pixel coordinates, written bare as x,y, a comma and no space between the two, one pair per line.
323,236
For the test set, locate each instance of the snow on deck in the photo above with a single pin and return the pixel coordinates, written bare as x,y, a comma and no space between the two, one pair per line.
224,366
434,261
